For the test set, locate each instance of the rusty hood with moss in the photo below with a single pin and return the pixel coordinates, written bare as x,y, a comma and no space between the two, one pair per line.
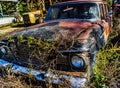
71,33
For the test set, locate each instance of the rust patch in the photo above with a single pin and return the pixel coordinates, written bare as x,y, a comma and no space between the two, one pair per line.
74,24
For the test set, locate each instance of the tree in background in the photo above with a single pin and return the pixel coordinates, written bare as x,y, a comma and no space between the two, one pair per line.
23,6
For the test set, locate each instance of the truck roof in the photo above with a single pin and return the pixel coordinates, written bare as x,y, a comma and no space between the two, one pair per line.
72,1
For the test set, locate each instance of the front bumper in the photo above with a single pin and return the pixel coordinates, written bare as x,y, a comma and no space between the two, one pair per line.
75,82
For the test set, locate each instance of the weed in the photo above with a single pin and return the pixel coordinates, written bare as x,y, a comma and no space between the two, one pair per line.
107,68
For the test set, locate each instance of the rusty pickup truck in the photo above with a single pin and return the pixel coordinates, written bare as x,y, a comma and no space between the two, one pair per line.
78,28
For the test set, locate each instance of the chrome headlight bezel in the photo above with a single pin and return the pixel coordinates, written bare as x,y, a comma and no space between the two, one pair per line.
78,62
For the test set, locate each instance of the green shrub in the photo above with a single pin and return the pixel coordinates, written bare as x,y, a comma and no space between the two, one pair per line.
107,68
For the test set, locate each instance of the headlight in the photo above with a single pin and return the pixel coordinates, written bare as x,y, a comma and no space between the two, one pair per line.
2,51
77,62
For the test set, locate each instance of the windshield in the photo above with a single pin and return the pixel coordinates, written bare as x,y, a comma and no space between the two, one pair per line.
73,11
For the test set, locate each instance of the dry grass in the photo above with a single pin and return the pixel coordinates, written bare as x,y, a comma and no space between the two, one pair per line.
107,69
10,82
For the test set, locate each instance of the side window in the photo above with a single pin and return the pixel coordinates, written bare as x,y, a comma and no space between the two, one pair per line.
101,11
105,11
106,8
54,13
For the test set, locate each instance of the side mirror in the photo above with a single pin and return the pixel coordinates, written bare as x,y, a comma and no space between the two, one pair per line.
109,18
110,12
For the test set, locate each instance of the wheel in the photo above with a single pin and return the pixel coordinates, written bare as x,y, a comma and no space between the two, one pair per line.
92,60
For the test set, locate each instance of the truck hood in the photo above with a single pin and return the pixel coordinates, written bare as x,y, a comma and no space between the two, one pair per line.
60,30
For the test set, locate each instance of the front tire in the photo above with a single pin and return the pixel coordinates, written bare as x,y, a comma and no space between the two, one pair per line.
91,65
